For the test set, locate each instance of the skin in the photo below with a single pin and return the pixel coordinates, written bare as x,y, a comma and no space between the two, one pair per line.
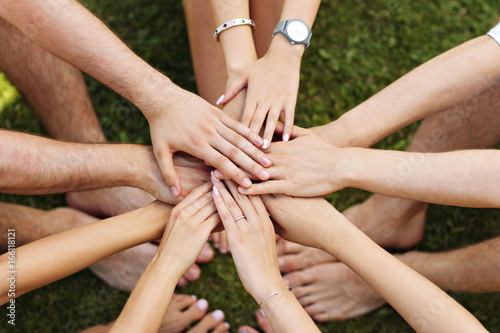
254,251
315,223
265,98
205,132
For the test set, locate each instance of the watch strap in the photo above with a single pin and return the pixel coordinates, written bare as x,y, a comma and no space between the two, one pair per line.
280,28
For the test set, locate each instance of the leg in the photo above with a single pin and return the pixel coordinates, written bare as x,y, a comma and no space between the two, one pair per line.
265,14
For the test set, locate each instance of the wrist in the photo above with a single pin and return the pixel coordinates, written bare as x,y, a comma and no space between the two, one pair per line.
156,94
267,288
282,47
347,167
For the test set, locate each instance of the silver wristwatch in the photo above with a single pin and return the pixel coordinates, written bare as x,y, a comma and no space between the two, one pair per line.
296,31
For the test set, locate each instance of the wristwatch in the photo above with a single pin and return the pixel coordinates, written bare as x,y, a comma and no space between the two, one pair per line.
296,31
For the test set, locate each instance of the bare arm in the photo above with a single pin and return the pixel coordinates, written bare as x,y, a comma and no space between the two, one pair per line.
31,164
57,256
314,222
449,79
178,120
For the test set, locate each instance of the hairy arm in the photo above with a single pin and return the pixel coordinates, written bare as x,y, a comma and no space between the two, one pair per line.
57,256
456,76
31,164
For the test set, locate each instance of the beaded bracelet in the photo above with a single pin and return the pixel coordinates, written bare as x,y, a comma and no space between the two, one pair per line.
232,23
274,293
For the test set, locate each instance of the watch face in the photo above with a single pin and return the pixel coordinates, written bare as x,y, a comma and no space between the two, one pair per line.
297,30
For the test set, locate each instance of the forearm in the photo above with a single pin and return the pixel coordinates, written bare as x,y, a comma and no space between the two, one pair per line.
472,269
285,314
449,79
462,178
236,42
55,257
31,164
413,296
149,301
69,31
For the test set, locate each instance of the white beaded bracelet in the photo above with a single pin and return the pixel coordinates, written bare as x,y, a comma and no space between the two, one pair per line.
232,23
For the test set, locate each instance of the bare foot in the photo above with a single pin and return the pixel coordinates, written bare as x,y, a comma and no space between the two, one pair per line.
181,313
390,222
109,202
124,269
264,325
293,256
332,291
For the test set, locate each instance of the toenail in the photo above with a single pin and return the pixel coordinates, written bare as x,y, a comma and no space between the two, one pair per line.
218,314
202,304
281,261
194,297
262,314
223,250
244,331
227,325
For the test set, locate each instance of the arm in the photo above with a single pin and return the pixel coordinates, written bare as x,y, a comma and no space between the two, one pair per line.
314,222
273,80
31,164
449,79
307,166
190,225
178,120
57,256
253,246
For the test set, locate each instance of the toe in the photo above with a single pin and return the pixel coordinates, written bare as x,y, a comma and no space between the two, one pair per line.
193,273
263,322
247,329
221,328
180,302
206,254
209,322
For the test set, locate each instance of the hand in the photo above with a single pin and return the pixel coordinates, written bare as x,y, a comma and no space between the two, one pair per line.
192,125
306,221
306,166
190,224
252,240
273,84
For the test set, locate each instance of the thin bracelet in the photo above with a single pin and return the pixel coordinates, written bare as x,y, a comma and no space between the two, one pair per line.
232,23
274,293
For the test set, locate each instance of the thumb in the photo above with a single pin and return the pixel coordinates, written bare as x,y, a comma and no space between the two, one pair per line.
164,157
233,89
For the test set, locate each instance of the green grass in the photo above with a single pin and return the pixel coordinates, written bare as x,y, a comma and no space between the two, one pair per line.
358,48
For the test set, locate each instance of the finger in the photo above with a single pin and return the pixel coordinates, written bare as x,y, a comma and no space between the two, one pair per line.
219,175
244,147
295,132
259,206
241,129
204,213
224,213
271,186
272,120
258,120
164,157
227,167
248,111
195,194
241,200
233,89
289,117
229,202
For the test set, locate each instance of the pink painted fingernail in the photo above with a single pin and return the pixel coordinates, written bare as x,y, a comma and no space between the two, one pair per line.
264,174
219,100
266,144
266,161
218,314
216,191
247,182
286,137
174,191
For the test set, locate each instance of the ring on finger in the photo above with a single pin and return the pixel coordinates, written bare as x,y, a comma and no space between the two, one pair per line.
239,218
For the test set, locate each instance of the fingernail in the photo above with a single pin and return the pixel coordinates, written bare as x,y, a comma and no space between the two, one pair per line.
174,191
194,297
266,144
227,325
247,182
217,173
259,141
219,100
266,161
286,137
218,314
262,314
281,261
213,177
216,191
264,174
202,304
242,189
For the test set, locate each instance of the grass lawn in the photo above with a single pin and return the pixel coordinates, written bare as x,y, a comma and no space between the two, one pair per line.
358,48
